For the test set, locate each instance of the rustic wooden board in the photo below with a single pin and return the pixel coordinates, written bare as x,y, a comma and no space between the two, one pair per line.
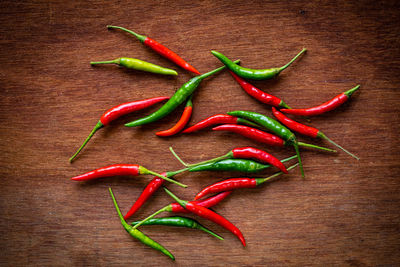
345,212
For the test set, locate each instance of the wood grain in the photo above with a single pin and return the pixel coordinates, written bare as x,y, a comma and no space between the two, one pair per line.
345,212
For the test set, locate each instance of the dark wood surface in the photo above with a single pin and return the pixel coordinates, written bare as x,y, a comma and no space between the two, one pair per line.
345,212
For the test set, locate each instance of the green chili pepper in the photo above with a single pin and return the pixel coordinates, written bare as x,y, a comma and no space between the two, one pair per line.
254,74
179,222
139,235
137,64
241,165
178,98
275,127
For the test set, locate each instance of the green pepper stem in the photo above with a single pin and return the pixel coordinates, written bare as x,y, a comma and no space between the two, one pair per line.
98,126
173,173
226,156
115,61
205,75
339,146
180,201
143,170
296,147
121,217
351,91
291,61
200,227
140,37
316,147
166,208
263,180
177,157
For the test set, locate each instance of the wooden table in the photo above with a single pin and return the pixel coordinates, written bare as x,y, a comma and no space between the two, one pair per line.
345,212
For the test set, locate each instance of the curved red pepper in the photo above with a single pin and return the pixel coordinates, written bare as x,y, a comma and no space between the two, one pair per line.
215,217
111,170
294,125
116,112
167,53
149,190
215,119
227,185
252,133
258,94
187,113
126,108
325,107
207,203
258,154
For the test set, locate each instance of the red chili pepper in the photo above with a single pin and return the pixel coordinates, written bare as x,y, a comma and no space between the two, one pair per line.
160,49
257,154
305,130
325,107
210,215
120,170
118,111
148,191
217,119
258,94
207,203
262,137
236,183
182,121
252,133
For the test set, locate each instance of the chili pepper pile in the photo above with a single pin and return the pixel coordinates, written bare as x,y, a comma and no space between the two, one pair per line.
252,125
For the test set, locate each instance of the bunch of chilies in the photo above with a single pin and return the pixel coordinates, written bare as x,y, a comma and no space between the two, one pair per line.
259,127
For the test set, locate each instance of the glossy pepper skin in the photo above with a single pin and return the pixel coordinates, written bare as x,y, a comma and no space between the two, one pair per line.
138,234
137,64
178,98
263,137
207,203
259,155
216,119
273,126
241,165
187,113
306,130
258,94
118,111
148,191
210,215
235,183
120,170
160,49
254,74
178,221
325,107
252,133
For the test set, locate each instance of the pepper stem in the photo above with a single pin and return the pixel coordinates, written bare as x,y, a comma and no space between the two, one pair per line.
263,180
291,61
296,147
166,208
140,37
351,91
180,201
177,157
98,126
205,75
143,170
331,141
226,156
316,147
115,61
201,227
124,223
